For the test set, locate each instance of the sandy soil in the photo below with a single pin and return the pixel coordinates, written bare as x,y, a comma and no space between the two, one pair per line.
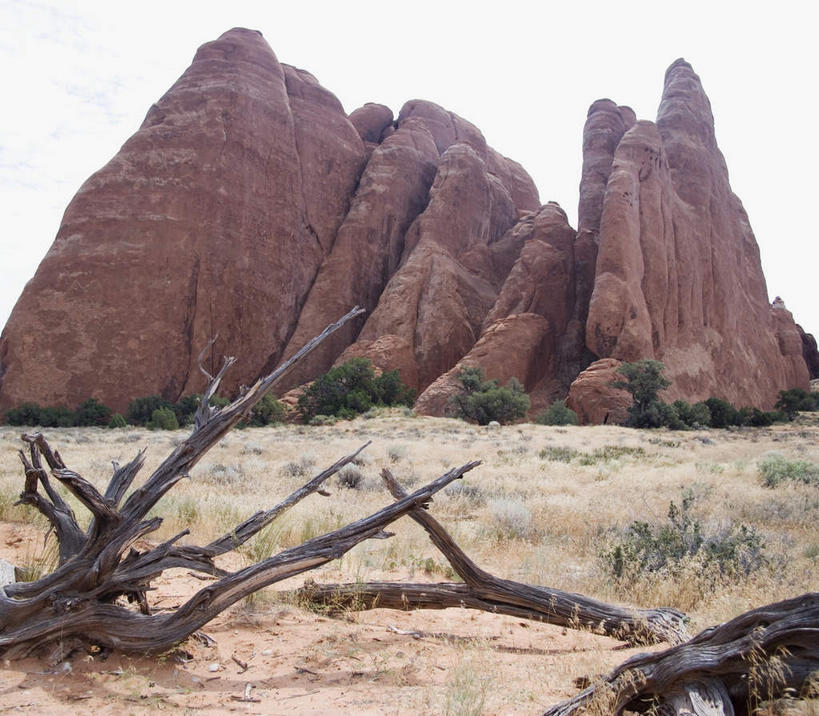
292,661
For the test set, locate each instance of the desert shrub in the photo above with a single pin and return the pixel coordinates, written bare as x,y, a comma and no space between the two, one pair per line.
722,413
511,516
647,548
267,412
92,412
163,419
558,454
350,476
792,401
141,410
24,414
117,421
644,379
692,416
557,414
775,469
483,401
57,417
185,408
352,388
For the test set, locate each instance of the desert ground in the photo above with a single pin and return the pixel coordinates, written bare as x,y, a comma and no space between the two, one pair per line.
547,506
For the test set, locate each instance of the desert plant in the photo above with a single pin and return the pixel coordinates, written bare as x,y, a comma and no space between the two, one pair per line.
722,413
644,379
792,401
557,414
352,388
24,414
646,548
92,412
141,410
117,421
775,469
266,412
163,419
483,401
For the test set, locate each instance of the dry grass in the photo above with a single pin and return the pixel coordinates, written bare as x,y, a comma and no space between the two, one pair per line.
543,507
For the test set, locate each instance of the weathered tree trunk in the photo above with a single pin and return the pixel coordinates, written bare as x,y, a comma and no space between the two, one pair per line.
80,602
486,592
729,668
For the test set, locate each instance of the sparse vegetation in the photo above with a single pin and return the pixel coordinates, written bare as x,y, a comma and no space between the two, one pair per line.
736,551
351,389
483,401
570,512
775,469
557,414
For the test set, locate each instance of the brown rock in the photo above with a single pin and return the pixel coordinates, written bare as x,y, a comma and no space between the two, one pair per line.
173,242
593,398
810,353
393,191
678,276
514,347
371,120
436,301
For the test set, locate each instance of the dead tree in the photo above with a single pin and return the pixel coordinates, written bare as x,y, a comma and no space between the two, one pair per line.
85,600
727,669
481,590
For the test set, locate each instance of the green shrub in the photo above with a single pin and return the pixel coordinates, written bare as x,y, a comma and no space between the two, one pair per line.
647,548
163,419
141,410
57,417
484,401
644,379
775,469
352,388
557,414
722,413
792,401
692,416
92,412
267,412
117,421
558,454
24,414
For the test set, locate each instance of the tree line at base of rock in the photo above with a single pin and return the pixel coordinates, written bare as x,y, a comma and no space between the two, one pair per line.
353,388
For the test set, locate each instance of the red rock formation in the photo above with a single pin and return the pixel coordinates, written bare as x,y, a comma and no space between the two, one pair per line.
250,206
594,399
393,191
809,352
437,300
514,347
173,242
678,276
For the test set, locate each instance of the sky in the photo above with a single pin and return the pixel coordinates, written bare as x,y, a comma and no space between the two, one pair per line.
79,77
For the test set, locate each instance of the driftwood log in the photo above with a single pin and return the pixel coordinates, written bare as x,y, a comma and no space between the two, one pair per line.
759,656
488,593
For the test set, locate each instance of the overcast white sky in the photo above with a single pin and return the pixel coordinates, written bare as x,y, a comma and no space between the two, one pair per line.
79,76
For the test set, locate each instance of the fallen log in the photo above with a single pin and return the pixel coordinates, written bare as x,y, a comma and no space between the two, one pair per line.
731,668
481,590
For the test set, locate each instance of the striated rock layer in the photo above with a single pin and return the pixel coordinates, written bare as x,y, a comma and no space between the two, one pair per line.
678,276
249,205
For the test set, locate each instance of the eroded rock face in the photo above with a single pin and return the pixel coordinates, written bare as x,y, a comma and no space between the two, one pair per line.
212,219
593,398
249,205
809,352
678,276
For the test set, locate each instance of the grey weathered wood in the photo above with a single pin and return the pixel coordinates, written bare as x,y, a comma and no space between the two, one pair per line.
482,590
774,646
